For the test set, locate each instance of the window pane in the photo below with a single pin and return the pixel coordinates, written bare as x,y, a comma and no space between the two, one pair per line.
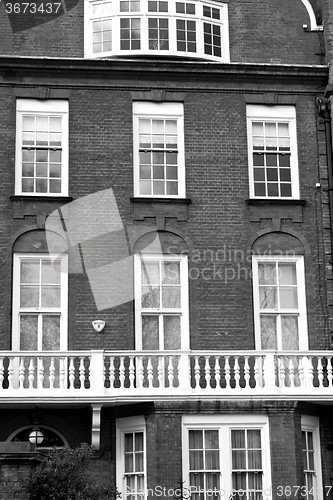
171,332
50,272
268,332
150,332
238,439
253,438
29,296
150,272
28,332
171,273
170,297
267,273
139,441
50,296
128,442
51,333
150,297
268,297
289,326
29,271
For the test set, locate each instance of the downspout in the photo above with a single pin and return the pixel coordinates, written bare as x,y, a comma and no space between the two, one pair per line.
324,111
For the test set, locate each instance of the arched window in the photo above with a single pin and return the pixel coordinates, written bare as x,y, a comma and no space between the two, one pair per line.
52,438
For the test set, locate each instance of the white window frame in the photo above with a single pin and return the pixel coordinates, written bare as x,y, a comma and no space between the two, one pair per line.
34,107
62,310
302,315
311,424
273,114
142,110
115,15
184,309
226,423
123,426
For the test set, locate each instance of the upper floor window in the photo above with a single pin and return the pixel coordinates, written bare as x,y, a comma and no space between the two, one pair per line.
39,303
42,147
272,151
161,302
159,168
185,28
279,303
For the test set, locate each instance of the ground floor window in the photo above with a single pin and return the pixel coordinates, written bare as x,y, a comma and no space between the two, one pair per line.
226,457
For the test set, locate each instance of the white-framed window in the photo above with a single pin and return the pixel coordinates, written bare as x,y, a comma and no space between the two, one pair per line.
41,147
131,457
313,489
226,456
279,302
272,147
159,163
186,28
40,297
161,302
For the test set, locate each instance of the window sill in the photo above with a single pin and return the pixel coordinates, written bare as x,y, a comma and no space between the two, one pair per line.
22,197
160,208
274,201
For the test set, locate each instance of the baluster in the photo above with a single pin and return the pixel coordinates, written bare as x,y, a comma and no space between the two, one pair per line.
207,372
112,372
246,372
31,373
10,373
291,372
282,371
122,372
320,371
71,373
140,372
170,372
258,376
52,373
329,370
150,373
82,372
2,373
21,373
310,372
217,370
160,371
227,372
237,372
131,372
301,372
197,372
40,364
62,372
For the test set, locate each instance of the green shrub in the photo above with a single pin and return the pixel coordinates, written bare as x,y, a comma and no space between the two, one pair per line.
65,476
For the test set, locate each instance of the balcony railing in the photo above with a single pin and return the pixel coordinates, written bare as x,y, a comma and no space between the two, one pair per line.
125,375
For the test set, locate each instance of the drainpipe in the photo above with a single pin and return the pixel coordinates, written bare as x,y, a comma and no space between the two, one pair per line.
324,111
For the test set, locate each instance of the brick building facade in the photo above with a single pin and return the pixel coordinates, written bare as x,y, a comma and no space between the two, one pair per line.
166,171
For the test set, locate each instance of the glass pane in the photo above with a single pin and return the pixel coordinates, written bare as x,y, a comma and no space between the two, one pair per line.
28,332
139,441
212,459
267,274
196,459
29,296
238,459
288,298
289,326
50,272
150,332
29,271
254,458
287,274
171,332
150,297
237,439
129,466
310,441
311,460
170,297
268,332
128,442
51,333
253,439
150,272
138,462
50,296
268,297
195,440
212,440
171,273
